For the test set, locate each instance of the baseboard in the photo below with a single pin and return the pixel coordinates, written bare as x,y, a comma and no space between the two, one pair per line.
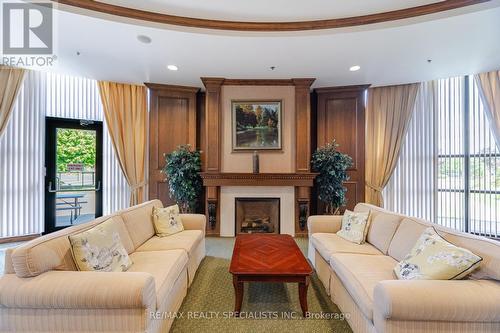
24,238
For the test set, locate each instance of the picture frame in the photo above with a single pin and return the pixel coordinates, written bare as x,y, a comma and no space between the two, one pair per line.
256,125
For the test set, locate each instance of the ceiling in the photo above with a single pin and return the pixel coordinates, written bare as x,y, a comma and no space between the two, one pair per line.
458,42
269,10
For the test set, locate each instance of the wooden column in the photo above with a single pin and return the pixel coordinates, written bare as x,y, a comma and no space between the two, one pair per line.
172,122
303,124
212,154
302,151
341,116
213,122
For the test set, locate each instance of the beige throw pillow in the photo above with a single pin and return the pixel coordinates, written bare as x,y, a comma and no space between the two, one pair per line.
434,258
167,221
100,249
354,227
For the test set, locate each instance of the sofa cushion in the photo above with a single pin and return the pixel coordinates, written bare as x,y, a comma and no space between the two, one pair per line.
434,258
327,244
382,226
487,249
53,251
167,221
185,240
164,266
406,236
354,226
139,221
360,273
100,248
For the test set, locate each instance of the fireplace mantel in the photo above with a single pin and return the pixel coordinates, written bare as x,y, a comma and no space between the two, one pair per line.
301,181
258,179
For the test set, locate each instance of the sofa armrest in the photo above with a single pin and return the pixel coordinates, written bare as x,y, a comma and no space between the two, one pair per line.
79,290
438,300
324,224
194,222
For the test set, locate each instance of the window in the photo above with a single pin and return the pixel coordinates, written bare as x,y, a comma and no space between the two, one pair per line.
448,170
468,161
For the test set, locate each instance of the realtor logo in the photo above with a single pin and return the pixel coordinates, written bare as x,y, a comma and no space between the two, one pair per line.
27,28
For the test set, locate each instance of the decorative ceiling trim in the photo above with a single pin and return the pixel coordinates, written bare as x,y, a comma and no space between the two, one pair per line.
270,26
171,87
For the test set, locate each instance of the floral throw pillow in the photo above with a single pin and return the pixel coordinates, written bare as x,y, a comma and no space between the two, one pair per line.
100,249
434,258
167,221
354,227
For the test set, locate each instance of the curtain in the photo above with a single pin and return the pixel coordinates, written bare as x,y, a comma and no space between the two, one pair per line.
125,112
489,89
22,161
10,83
412,188
389,112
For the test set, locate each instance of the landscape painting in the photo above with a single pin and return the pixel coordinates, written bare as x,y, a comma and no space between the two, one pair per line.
256,125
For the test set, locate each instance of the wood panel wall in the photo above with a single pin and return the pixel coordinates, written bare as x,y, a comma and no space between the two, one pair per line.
172,122
340,115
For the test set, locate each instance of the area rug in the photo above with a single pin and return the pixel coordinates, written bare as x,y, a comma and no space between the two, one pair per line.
267,307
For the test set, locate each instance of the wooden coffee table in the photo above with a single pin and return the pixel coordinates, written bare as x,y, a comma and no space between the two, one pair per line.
268,258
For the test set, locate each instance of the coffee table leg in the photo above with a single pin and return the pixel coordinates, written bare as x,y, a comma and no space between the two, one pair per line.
238,293
303,295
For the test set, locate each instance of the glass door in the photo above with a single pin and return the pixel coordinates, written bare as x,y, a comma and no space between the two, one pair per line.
73,178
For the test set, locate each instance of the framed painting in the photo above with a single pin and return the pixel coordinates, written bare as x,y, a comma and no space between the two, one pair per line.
256,125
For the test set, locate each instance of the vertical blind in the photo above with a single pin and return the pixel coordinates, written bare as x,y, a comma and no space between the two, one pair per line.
449,168
484,170
22,149
412,187
451,181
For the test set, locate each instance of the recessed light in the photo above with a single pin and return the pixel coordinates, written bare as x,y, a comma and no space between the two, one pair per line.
144,39
354,68
172,67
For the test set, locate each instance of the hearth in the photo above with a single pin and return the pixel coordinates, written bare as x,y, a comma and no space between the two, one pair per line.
257,215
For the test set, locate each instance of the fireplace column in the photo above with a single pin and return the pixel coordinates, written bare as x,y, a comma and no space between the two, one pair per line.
303,151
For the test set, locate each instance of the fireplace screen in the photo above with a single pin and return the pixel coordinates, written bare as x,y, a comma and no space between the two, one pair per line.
257,215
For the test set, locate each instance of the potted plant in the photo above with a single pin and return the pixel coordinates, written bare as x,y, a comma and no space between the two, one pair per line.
332,167
182,169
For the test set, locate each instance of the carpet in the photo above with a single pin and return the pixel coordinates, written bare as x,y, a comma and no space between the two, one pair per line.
267,307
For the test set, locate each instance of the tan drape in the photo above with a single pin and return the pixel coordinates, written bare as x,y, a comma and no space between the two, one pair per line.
11,80
126,116
389,112
489,89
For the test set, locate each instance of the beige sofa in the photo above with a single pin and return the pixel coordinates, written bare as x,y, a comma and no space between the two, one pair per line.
42,291
360,279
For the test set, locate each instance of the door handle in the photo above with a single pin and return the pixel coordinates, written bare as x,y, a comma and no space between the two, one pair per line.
96,189
50,188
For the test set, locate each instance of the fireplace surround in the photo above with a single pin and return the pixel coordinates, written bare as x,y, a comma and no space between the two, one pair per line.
293,189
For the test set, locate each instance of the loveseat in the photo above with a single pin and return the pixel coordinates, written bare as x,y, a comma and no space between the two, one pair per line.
42,290
361,281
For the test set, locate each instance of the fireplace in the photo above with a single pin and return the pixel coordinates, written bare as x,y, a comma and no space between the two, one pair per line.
257,215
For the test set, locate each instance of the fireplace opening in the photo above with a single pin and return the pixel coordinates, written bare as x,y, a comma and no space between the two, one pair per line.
257,215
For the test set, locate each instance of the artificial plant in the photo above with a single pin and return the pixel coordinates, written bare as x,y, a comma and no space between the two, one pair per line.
182,169
331,166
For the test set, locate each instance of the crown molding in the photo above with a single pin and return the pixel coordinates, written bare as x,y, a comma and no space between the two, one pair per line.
201,23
